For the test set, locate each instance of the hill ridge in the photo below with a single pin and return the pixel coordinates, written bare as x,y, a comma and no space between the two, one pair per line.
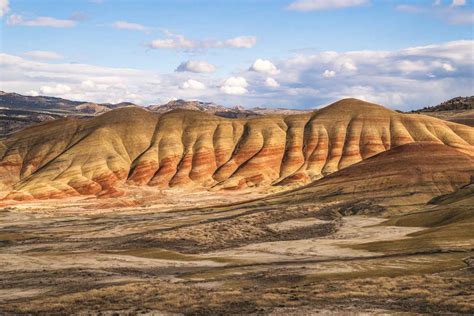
133,146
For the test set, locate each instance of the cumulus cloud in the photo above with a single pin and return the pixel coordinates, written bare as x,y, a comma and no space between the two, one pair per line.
88,84
329,73
314,5
93,83
271,83
178,41
15,19
193,85
264,66
32,93
405,79
43,55
400,78
240,42
78,81
197,66
235,85
124,25
4,7
58,89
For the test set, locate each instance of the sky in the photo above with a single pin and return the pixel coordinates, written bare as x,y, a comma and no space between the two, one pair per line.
272,53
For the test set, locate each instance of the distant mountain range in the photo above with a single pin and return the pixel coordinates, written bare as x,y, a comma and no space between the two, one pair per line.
18,111
17,101
219,110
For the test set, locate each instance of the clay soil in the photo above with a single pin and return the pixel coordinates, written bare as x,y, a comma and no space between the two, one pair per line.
188,256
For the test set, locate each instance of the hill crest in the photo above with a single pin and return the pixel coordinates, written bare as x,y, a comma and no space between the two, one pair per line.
133,146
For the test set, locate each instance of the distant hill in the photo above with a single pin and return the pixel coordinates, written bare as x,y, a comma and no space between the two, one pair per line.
219,110
459,110
18,111
206,107
455,104
17,101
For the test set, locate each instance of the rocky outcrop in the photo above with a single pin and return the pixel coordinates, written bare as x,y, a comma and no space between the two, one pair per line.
131,146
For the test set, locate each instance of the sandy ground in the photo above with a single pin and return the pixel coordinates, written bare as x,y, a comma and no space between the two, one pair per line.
182,256
354,230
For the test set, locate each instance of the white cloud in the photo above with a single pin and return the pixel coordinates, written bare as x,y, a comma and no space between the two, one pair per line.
4,7
178,41
329,73
452,14
408,78
314,5
235,85
192,84
264,66
43,55
197,66
79,81
88,84
271,83
349,65
447,67
241,42
58,89
458,3
32,93
124,25
15,19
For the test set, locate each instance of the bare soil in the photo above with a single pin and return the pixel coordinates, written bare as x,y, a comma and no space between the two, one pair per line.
188,257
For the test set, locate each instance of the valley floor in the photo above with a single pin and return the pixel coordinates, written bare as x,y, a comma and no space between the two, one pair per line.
187,257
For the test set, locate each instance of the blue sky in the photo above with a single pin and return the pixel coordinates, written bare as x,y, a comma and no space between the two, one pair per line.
301,53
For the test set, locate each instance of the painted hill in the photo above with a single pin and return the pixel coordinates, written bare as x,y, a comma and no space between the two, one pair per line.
132,146
402,177
465,117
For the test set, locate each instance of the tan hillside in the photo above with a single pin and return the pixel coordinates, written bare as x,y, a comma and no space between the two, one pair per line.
191,149
465,117
404,176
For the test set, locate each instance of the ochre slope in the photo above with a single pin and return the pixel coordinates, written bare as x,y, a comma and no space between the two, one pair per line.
191,149
407,175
